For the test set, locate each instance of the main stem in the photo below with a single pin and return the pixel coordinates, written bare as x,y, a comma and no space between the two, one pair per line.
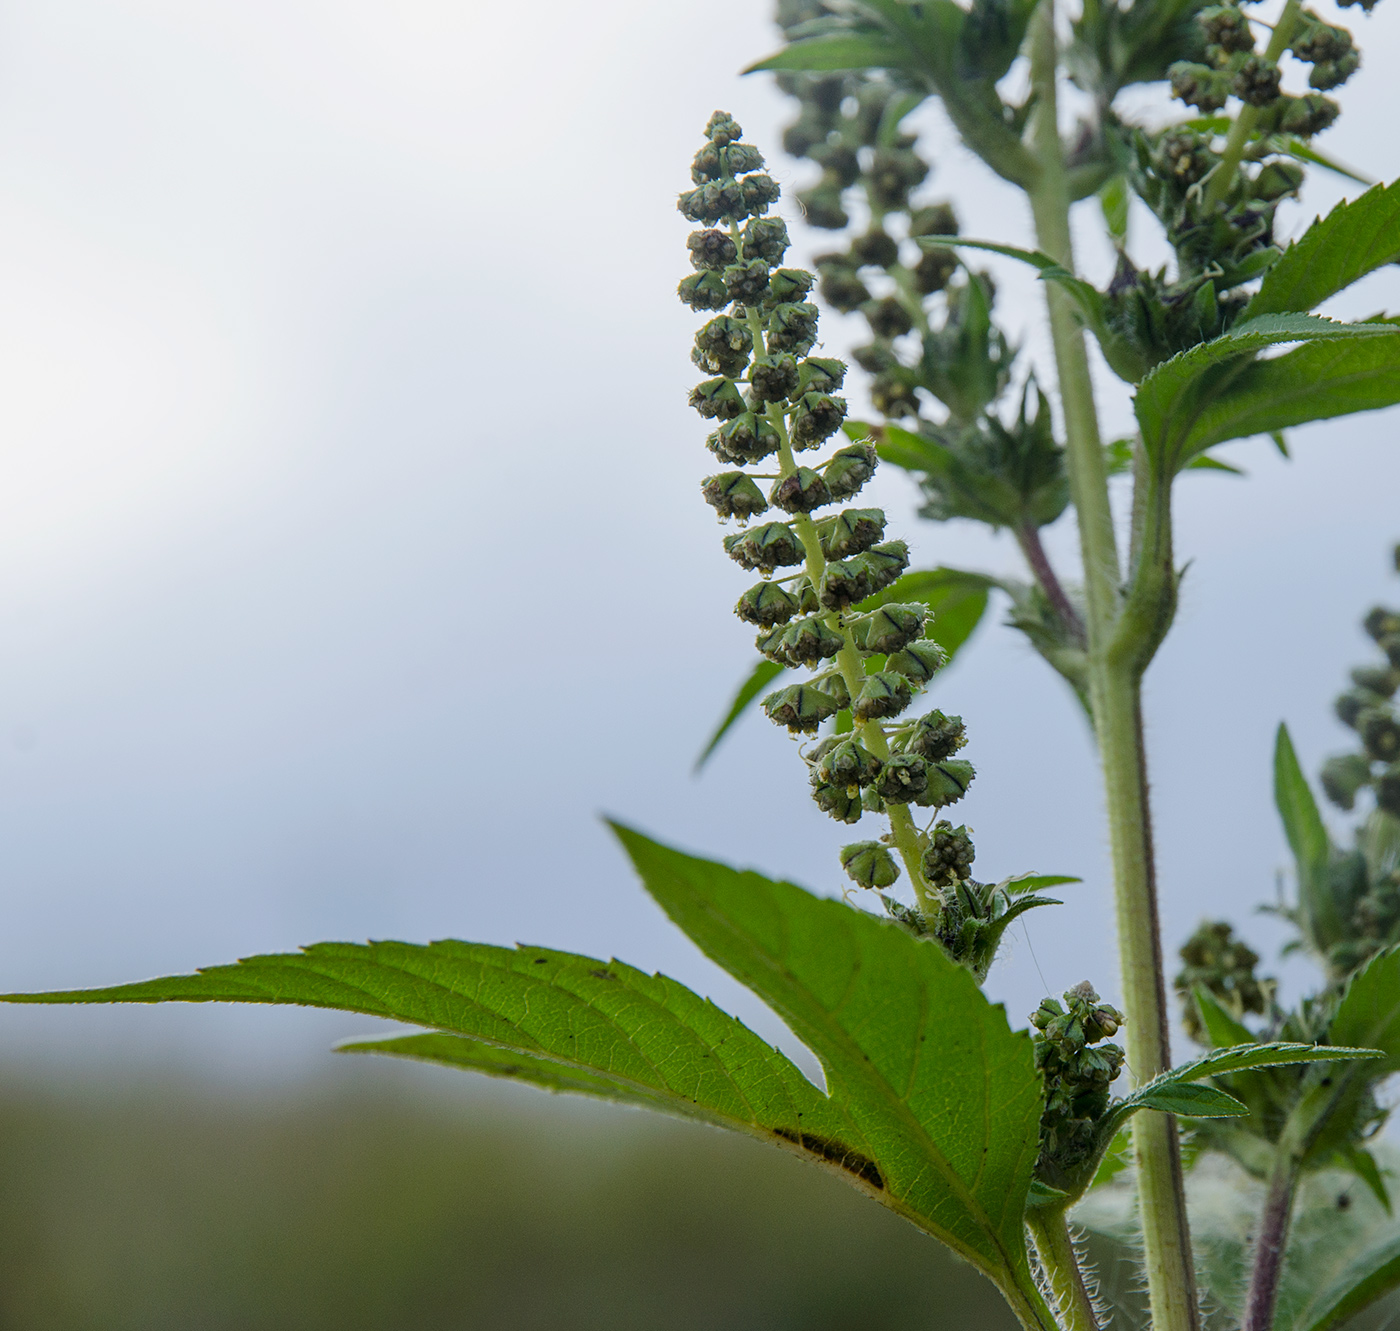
1114,695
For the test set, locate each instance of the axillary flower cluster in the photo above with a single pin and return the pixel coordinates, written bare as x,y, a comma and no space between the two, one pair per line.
771,401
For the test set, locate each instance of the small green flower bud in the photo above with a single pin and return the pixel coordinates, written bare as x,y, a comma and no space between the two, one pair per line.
774,545
1388,790
801,492
805,642
800,707
1380,680
722,346
893,173
1308,115
758,193
741,158
883,694
1048,1011
772,378
948,859
1226,27
870,800
834,683
841,286
765,238
806,597
892,394
1380,733
891,627
1256,82
851,531
919,661
766,603
1381,623
887,317
1198,86
716,201
1390,645
722,129
935,270
875,249
838,160
848,763
849,469
1349,705
711,250
936,737
703,291
947,783
884,563
903,778
747,438
845,582
717,399
875,358
706,165
822,205
1343,776
1318,42
869,864
837,801
1187,158
937,219
815,419
1276,180
733,494
792,328
786,285
820,374
746,282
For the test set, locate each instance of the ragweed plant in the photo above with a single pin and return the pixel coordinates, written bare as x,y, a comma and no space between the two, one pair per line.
983,1136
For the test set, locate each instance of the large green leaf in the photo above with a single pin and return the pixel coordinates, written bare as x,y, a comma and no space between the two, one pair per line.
956,599
1313,383
1308,840
941,1089
837,51
1354,239
1211,392
554,1018
1369,1010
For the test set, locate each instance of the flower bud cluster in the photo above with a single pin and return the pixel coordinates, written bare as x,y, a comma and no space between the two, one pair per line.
773,402
1223,965
1368,707
1078,1070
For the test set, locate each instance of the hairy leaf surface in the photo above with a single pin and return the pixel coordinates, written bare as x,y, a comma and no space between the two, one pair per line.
1211,393
1355,238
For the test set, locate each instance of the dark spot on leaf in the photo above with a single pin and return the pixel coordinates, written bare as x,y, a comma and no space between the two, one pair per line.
836,1153
1343,1201
539,961
603,975
1327,1081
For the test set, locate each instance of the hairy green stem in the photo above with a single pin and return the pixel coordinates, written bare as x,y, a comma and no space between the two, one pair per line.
1223,176
1056,1251
1115,670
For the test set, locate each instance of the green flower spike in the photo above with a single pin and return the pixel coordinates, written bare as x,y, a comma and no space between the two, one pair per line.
773,400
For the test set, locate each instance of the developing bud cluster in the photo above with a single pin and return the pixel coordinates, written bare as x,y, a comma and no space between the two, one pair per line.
1223,965
772,403
1368,707
1077,1074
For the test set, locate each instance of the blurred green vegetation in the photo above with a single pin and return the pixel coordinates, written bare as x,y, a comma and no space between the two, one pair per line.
397,1202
